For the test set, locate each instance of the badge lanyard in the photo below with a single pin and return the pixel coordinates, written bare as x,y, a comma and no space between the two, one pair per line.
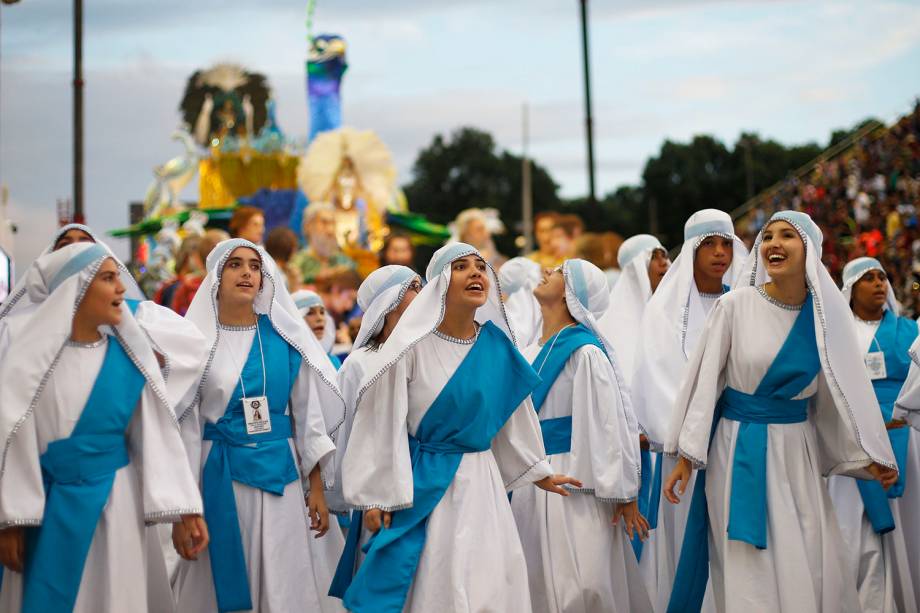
255,410
875,362
553,344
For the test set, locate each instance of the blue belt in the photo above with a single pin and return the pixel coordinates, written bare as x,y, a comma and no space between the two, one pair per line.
78,474
557,435
747,518
262,461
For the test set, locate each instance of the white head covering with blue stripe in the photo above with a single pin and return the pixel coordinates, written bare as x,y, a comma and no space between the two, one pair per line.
853,400
673,321
380,293
425,313
853,272
275,302
60,279
628,298
306,299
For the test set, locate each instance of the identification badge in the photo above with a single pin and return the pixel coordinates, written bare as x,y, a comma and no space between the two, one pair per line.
258,420
875,365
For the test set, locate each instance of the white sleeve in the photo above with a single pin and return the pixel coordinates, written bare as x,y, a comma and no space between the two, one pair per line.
156,449
377,467
701,387
605,442
311,440
518,448
907,406
22,491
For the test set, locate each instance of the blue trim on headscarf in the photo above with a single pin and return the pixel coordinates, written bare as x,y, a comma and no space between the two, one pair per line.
448,255
709,228
579,284
309,301
76,264
858,267
400,276
802,220
640,243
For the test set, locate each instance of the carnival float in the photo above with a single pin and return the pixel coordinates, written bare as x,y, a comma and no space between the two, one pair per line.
231,142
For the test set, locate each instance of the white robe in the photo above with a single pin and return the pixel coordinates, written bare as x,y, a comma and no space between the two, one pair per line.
803,568
577,561
288,568
879,563
909,504
472,560
118,575
662,550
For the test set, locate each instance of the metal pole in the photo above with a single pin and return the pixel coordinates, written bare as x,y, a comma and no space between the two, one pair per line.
589,121
526,187
78,213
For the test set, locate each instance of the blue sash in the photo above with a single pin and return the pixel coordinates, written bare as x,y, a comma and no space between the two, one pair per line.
78,474
649,495
556,351
894,336
263,461
487,387
794,367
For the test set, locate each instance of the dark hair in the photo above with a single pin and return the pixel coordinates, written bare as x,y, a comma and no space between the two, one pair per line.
241,217
281,243
572,225
392,236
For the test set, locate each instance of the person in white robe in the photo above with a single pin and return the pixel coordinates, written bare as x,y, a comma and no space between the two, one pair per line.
443,429
92,450
519,276
880,556
708,264
383,297
578,552
258,476
643,262
177,343
313,310
907,409
775,398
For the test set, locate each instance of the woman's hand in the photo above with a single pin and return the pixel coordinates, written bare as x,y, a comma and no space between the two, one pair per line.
894,424
316,503
884,475
554,483
190,536
680,474
632,519
13,548
375,518
643,443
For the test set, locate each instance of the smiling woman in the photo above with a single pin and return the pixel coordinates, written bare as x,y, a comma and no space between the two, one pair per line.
443,428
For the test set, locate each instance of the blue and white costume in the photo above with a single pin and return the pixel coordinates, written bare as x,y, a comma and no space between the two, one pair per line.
518,277
91,453
872,519
577,561
305,300
672,324
444,428
775,397
261,555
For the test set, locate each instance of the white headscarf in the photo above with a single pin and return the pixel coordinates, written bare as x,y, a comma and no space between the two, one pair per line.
628,298
841,359
672,323
519,277
380,293
57,284
425,313
305,300
273,301
21,297
853,272
587,296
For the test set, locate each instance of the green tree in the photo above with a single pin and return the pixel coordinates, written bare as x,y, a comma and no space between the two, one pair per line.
467,169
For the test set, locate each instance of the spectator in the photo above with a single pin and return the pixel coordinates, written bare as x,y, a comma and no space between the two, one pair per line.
565,234
323,253
248,222
189,271
397,249
282,244
543,225
476,227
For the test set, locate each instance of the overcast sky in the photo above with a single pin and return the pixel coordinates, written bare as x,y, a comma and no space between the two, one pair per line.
661,69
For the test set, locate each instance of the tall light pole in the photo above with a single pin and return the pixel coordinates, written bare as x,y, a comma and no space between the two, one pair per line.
589,121
78,214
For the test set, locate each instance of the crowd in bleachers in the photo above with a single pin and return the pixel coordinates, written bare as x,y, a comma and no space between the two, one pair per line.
865,201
